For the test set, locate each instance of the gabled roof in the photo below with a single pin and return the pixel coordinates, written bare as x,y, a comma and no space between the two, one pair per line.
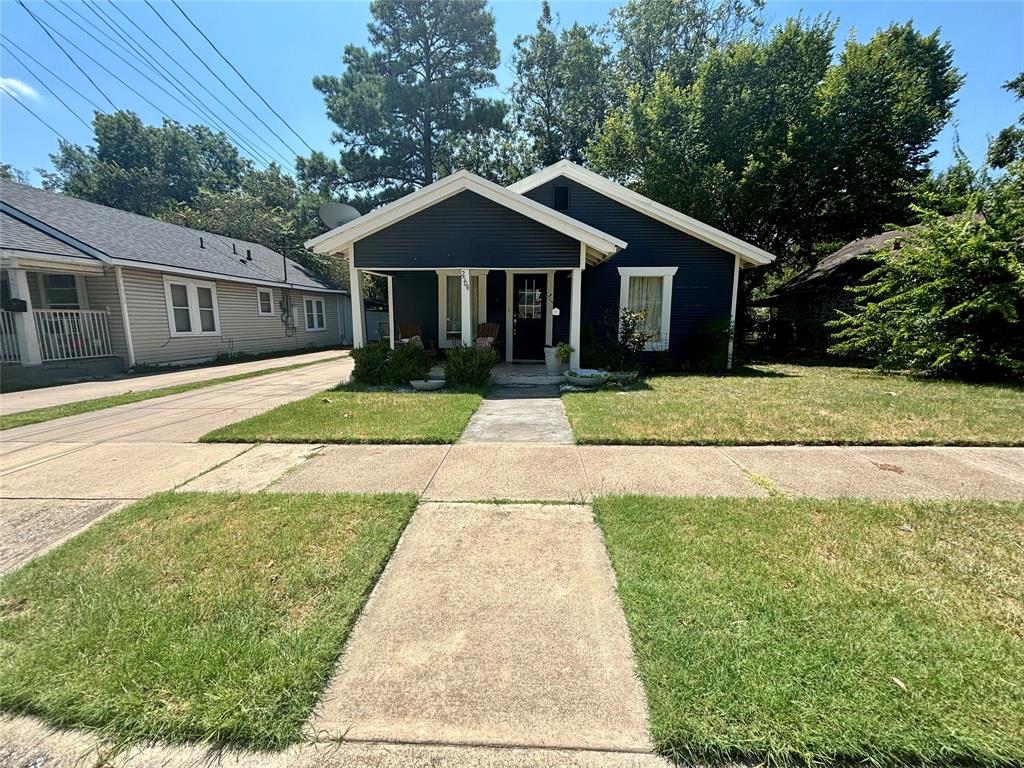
340,238
673,218
116,237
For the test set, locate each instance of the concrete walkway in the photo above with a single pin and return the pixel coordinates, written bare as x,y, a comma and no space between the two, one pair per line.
31,399
520,413
493,625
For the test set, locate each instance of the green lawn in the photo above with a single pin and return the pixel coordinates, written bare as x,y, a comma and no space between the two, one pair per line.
351,414
195,616
790,404
37,415
800,632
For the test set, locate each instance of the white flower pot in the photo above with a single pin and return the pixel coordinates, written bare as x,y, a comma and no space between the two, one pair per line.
552,363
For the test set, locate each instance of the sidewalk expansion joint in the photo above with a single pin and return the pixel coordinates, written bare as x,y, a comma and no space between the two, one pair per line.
624,750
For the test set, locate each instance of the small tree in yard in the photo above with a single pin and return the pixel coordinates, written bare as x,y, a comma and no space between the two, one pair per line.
950,301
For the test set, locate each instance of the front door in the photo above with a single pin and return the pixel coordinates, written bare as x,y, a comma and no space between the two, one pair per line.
528,297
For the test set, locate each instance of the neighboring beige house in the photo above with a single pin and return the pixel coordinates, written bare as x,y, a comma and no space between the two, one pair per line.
88,290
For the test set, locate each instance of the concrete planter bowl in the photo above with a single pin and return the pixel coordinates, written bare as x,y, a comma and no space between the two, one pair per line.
426,385
586,377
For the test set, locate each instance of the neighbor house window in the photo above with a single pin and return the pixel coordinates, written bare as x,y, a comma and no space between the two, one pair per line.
316,316
649,290
265,301
60,291
191,307
450,301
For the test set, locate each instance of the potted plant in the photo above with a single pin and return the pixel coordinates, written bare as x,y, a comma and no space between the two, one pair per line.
563,352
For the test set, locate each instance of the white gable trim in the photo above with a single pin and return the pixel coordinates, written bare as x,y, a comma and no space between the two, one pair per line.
339,238
691,226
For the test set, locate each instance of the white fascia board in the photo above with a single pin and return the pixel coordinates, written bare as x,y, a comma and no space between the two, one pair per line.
170,270
340,238
636,201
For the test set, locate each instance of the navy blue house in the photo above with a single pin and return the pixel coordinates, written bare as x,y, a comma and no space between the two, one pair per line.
541,259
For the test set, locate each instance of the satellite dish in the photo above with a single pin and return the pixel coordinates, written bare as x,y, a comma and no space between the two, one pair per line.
335,214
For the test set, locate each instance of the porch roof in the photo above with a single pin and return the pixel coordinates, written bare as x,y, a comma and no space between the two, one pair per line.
19,238
599,245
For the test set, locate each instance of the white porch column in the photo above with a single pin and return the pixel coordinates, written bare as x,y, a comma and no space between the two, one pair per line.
355,287
466,283
575,306
393,331
25,322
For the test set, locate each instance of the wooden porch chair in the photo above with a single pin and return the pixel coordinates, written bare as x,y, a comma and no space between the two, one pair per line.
488,331
408,330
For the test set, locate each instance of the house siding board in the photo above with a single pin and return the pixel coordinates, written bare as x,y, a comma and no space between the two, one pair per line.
466,230
415,295
101,291
701,289
242,329
562,294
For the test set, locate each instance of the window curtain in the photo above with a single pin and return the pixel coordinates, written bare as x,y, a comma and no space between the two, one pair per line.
645,294
453,302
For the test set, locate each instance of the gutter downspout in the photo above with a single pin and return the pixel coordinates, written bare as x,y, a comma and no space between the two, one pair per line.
124,318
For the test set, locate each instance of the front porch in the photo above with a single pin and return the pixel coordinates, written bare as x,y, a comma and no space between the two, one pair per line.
58,322
512,374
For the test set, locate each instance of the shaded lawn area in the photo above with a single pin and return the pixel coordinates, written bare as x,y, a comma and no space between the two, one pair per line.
353,414
799,631
195,616
38,415
806,405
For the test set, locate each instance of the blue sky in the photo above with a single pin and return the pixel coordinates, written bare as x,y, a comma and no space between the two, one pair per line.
280,46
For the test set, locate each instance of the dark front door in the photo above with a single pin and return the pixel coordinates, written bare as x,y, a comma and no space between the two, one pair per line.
528,296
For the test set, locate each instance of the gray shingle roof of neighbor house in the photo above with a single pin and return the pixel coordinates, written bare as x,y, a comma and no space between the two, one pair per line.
128,239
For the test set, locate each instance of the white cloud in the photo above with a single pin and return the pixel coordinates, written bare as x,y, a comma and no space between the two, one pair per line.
13,87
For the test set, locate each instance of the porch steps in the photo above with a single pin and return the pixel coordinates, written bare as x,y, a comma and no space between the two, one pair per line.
515,374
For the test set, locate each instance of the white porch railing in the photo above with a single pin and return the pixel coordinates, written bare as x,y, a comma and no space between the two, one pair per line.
9,350
72,334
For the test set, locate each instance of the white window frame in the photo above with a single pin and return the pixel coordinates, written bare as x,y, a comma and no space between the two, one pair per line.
259,304
666,274
442,302
305,315
192,287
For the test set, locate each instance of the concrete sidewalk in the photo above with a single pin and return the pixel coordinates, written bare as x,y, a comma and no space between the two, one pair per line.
528,472
520,414
30,399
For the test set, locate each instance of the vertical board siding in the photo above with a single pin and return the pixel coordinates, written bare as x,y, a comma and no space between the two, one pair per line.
466,230
242,328
701,289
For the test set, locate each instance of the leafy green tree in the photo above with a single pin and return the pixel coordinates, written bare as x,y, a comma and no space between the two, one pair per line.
144,169
950,191
1008,146
400,103
950,301
560,94
674,37
10,173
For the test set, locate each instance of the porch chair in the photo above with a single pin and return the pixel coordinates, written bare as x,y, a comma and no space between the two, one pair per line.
487,331
409,330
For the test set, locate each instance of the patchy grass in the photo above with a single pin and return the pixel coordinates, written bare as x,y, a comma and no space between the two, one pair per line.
790,404
352,414
38,415
808,631
195,616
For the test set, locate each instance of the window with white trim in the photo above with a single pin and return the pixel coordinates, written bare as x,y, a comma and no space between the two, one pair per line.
450,304
316,315
191,307
264,301
649,290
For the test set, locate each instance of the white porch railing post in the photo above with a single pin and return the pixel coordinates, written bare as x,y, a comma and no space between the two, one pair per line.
575,307
355,286
466,283
28,337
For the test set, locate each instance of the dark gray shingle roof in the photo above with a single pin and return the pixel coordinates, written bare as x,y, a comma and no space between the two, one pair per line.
128,236
18,236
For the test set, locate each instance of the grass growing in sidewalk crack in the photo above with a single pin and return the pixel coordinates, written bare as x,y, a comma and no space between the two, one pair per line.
39,415
195,616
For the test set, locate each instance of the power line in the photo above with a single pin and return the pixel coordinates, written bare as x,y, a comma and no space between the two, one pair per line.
206,114
77,92
167,73
48,88
24,106
79,68
219,79
233,67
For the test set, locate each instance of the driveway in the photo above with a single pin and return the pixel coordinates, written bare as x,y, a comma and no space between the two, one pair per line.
59,476
30,399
